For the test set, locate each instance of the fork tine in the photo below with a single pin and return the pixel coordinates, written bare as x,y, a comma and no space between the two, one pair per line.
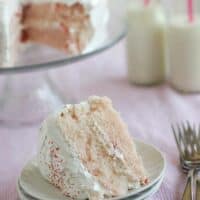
175,135
177,139
184,131
188,139
195,128
185,126
196,147
180,133
188,125
198,133
185,137
192,139
198,138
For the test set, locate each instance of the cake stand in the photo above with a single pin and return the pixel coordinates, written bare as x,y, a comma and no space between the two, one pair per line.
28,93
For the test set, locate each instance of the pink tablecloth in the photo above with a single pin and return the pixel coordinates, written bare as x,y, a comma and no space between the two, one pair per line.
147,111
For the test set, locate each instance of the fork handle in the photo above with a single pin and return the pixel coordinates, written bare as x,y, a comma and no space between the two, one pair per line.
189,190
197,185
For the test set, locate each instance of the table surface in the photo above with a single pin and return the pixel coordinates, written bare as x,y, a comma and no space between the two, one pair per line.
148,111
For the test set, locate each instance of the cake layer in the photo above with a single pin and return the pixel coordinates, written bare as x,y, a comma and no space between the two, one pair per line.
61,26
53,12
71,44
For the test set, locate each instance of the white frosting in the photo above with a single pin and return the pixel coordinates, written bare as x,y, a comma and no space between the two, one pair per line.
3,34
8,10
75,180
99,16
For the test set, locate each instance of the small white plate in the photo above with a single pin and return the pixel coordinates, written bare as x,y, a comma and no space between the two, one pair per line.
141,196
36,186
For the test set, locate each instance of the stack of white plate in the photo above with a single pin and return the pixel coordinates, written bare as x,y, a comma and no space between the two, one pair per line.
32,186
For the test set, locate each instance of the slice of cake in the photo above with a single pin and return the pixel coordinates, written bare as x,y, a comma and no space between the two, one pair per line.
67,25
85,151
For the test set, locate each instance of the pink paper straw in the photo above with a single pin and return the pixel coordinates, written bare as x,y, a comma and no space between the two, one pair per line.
190,10
146,2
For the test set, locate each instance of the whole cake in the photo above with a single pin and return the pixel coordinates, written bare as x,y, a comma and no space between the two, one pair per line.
67,25
85,150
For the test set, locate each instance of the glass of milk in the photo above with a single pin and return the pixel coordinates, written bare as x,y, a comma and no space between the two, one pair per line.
146,42
183,48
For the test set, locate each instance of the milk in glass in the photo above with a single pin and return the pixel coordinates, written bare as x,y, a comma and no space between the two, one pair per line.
183,39
146,42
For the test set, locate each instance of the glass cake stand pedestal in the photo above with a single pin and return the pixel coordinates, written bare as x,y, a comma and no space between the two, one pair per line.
26,98
28,93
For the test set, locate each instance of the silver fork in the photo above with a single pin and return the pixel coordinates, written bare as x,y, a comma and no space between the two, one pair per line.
188,142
